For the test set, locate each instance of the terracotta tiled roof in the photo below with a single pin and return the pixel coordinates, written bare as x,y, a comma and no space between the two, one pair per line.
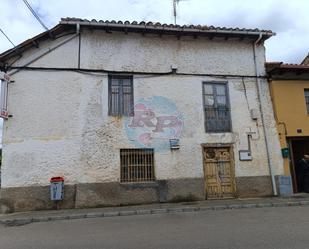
69,24
285,65
280,69
159,25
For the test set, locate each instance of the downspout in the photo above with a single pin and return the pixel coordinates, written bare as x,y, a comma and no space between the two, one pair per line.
79,43
258,87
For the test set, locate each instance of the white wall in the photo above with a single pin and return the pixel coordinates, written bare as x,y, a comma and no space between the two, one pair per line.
60,124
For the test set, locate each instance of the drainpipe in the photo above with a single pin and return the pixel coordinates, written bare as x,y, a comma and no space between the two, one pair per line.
258,87
79,42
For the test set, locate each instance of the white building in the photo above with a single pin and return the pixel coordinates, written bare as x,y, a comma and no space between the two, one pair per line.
135,113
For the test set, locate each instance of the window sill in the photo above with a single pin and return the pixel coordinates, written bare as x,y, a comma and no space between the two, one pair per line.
219,132
133,185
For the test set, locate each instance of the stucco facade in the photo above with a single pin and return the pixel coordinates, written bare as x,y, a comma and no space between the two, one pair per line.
60,124
289,84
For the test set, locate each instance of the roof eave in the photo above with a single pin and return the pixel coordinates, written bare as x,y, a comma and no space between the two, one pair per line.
279,70
169,30
138,28
29,43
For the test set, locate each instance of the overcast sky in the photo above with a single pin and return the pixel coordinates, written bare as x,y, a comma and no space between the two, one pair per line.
288,18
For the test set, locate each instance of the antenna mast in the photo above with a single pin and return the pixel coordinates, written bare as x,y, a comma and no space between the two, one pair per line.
175,2
174,10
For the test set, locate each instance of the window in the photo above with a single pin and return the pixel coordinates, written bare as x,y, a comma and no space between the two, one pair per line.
4,80
216,107
307,99
120,96
136,165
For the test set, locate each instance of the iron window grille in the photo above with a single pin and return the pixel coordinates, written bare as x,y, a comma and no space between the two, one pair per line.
307,99
216,107
136,165
120,91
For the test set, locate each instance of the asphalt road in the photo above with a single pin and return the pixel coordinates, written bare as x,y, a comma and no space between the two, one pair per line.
286,227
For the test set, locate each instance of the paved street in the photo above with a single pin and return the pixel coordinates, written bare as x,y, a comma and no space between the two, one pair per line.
280,227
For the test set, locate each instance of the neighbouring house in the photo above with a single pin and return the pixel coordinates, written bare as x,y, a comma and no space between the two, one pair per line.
289,85
133,113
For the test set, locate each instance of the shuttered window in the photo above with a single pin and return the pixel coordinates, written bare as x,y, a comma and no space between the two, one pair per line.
136,165
307,99
216,107
120,96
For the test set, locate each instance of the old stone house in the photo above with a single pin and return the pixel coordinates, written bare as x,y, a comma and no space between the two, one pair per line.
135,113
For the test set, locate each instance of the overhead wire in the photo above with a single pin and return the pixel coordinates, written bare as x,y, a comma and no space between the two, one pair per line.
35,14
7,37
137,74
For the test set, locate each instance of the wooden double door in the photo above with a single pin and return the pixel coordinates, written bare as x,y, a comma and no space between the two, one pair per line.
219,172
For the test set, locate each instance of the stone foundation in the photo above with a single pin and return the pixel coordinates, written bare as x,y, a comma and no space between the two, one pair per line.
253,186
116,194
35,198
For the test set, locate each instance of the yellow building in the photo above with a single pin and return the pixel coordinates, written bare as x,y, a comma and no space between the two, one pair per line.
289,84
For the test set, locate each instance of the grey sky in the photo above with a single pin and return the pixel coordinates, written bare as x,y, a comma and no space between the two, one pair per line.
289,19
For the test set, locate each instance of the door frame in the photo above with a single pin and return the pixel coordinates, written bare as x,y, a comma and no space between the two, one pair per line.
231,149
292,162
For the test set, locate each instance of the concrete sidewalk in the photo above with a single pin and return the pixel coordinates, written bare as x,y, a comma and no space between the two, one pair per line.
23,218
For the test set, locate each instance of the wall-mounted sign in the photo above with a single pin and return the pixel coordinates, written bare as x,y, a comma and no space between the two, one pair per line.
174,144
4,80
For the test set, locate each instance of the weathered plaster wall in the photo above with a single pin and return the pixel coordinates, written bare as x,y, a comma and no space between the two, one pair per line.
60,124
152,53
149,53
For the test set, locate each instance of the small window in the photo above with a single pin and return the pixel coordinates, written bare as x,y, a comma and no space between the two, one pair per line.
4,80
120,96
137,165
216,107
307,99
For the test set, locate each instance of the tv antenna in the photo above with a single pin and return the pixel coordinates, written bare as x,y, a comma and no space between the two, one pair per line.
175,3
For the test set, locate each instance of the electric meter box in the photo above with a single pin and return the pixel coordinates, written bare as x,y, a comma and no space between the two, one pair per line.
245,155
56,188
